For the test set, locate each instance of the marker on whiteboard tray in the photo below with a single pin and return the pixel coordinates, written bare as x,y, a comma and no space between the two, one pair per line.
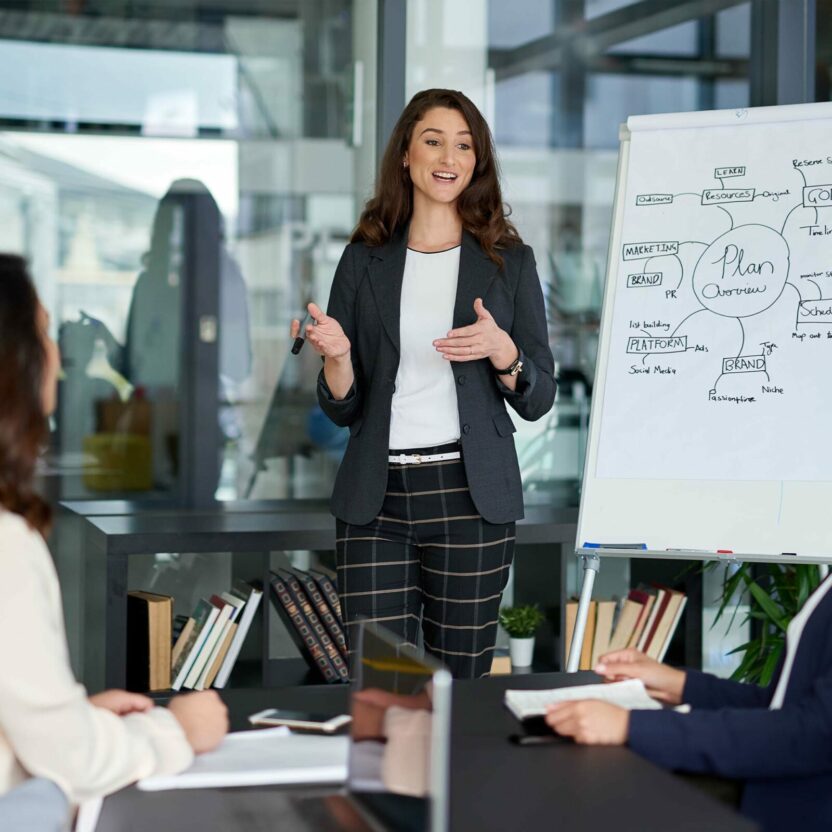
614,546
693,551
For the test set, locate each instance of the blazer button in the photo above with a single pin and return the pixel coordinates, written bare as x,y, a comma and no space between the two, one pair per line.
460,380
466,428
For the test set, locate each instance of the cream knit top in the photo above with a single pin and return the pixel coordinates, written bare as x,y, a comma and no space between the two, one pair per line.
48,728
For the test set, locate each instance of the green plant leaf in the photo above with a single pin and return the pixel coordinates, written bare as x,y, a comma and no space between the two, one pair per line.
777,593
744,671
521,622
770,664
731,584
814,578
767,605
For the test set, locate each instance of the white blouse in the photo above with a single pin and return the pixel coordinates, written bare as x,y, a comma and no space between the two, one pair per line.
48,728
424,408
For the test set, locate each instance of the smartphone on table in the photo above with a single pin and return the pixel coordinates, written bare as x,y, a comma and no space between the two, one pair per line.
301,720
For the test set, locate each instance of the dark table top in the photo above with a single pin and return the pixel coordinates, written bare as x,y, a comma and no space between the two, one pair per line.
123,528
494,785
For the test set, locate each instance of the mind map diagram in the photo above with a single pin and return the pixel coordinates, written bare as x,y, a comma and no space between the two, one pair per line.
737,275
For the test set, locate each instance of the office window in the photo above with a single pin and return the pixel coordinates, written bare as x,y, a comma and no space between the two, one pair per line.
183,178
823,51
555,81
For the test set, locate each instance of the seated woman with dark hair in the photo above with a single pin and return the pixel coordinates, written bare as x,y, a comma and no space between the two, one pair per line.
88,746
777,740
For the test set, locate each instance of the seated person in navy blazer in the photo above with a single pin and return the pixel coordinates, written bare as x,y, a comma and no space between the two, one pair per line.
777,739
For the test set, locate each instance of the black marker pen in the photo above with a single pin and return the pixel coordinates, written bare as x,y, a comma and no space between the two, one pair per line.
298,344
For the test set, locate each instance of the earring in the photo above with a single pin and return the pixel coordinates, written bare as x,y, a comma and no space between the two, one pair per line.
404,163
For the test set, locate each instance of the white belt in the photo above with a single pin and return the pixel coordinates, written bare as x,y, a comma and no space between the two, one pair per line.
416,459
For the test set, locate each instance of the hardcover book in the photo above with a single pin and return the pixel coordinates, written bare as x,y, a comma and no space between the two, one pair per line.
216,632
204,615
325,581
334,655
149,636
214,665
322,608
603,630
673,627
298,627
224,625
666,625
589,638
182,643
626,624
647,599
252,595
660,606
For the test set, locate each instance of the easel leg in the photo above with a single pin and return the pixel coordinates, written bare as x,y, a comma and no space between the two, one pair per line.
591,566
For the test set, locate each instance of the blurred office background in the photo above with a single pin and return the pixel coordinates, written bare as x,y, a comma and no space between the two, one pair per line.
183,177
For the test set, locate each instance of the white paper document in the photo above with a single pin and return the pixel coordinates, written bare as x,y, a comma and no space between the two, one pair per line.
262,757
630,694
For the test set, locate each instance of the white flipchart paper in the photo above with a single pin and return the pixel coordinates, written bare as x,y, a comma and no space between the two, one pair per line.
721,337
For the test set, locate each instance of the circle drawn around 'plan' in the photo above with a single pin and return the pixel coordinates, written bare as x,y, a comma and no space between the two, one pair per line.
743,272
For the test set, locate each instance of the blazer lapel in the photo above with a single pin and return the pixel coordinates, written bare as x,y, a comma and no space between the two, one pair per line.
476,272
386,273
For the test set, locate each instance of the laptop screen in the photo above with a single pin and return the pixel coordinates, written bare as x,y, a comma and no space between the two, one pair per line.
400,734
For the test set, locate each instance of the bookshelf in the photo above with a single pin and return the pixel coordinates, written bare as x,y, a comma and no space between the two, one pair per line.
224,543
619,575
116,541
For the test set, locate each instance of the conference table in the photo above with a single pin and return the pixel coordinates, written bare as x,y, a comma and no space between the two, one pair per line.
495,785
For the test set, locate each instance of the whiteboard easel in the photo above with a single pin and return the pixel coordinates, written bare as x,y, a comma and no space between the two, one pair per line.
707,430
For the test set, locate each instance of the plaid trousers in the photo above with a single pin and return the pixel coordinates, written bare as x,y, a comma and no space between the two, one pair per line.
430,560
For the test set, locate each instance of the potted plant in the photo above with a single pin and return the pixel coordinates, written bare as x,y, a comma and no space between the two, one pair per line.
520,623
776,592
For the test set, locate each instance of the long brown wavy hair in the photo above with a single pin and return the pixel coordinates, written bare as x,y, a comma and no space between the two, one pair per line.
480,205
24,428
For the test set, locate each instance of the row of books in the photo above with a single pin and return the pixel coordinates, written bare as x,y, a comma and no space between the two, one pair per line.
200,652
646,619
308,603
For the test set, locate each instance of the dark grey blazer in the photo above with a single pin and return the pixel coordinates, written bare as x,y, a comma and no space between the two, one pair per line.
366,301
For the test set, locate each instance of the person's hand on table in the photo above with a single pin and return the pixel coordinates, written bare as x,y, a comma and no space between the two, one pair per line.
203,717
368,715
121,702
369,707
384,699
589,722
663,683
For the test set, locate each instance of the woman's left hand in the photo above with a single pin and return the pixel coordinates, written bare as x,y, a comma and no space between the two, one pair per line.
484,339
589,722
122,702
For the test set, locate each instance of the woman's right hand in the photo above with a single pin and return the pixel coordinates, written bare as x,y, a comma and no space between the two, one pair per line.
664,683
203,717
326,335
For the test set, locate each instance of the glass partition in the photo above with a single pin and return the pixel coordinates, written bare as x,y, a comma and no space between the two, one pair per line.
183,179
555,81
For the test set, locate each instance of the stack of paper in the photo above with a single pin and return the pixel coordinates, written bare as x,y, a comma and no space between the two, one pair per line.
262,757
